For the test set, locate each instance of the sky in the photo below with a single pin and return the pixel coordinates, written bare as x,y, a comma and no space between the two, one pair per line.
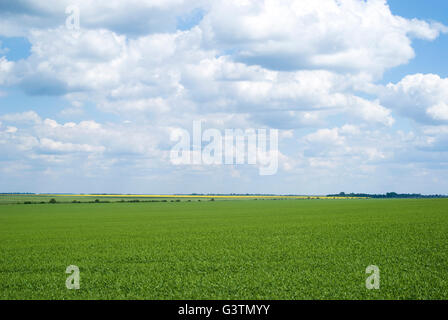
358,91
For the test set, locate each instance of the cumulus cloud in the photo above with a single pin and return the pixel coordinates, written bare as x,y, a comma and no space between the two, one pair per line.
88,147
326,136
5,70
351,149
58,146
27,116
346,35
133,17
421,97
309,68
159,74
439,111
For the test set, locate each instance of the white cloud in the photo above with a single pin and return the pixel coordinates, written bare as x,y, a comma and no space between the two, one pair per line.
349,145
350,129
421,97
131,17
11,129
439,111
27,116
370,111
327,137
308,68
5,70
340,35
57,146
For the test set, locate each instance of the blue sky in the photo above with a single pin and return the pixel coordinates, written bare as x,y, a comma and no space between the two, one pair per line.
358,91
429,55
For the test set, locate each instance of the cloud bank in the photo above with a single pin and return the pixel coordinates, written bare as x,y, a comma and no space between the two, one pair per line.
138,70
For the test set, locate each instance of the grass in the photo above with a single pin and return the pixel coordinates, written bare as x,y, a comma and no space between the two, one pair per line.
226,249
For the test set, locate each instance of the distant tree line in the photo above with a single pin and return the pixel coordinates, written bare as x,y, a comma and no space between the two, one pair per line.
389,195
14,193
53,201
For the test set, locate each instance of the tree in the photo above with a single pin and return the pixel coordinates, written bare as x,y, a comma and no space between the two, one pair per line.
52,201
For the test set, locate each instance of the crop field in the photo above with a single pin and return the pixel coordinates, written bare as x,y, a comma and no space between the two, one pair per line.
265,249
67,198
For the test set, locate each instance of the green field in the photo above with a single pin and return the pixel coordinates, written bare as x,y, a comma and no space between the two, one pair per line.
226,249
88,198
